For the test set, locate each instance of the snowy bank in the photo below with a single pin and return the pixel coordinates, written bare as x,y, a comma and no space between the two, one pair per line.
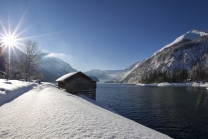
11,89
47,112
166,84
151,84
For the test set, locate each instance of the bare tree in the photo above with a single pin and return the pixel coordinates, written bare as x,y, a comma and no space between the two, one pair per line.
15,69
30,58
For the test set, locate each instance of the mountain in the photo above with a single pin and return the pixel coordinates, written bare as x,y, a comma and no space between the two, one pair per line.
190,35
119,76
102,75
52,68
112,76
183,56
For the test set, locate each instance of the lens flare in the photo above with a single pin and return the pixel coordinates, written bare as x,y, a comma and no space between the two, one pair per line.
9,40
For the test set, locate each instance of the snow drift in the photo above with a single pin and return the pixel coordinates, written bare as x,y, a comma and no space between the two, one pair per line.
10,90
47,112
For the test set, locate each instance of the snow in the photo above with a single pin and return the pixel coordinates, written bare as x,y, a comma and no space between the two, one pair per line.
190,35
62,78
151,84
66,76
44,111
131,69
9,90
166,84
183,56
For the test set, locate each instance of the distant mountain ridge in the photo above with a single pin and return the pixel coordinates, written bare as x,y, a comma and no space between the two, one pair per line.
112,76
185,53
124,73
53,68
103,75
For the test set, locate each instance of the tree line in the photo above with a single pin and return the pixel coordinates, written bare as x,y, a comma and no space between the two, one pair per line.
196,73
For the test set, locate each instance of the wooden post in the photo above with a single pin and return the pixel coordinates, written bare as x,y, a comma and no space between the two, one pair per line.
94,94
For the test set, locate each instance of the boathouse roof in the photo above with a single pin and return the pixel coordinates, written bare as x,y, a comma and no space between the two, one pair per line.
72,74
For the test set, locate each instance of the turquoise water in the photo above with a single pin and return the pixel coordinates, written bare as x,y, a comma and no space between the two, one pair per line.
180,112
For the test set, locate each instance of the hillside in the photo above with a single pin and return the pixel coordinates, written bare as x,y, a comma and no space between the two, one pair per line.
53,68
112,76
102,75
183,58
123,74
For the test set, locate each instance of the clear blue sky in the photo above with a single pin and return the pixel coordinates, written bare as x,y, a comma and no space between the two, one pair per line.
103,34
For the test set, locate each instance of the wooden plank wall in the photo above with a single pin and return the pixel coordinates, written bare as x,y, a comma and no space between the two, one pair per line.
79,85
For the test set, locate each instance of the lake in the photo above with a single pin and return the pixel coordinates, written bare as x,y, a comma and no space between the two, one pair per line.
180,112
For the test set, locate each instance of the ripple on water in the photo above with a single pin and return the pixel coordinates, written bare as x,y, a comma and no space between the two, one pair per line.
179,112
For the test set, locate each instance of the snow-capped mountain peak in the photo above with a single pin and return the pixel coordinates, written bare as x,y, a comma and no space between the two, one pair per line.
190,35
181,57
193,34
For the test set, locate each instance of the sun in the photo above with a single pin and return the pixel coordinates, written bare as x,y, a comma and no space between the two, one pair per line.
9,40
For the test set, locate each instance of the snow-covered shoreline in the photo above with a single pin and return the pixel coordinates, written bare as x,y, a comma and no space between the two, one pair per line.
44,111
166,84
10,90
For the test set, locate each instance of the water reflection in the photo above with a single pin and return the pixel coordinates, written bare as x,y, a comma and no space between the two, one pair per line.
180,112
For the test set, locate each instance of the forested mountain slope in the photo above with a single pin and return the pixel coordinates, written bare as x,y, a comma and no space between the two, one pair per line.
184,58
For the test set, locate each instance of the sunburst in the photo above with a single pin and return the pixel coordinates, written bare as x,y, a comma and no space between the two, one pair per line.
9,40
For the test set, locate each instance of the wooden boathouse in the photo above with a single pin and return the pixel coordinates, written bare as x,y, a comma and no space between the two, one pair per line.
78,83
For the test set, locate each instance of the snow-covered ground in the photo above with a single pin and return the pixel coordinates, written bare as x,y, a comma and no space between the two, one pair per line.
30,110
9,90
164,84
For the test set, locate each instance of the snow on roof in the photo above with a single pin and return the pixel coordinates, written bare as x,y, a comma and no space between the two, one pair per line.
62,78
69,116
66,76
